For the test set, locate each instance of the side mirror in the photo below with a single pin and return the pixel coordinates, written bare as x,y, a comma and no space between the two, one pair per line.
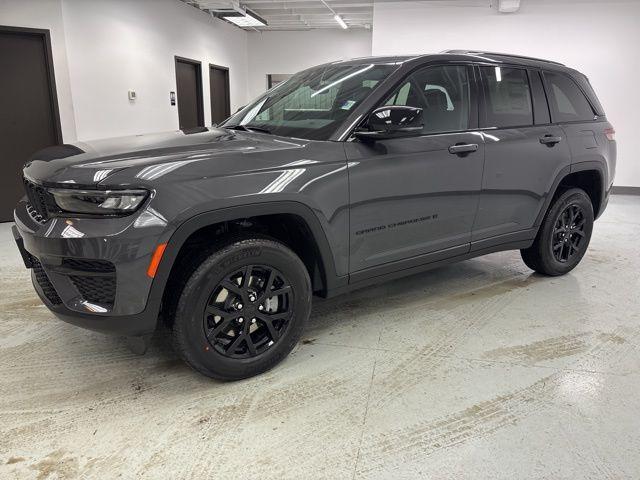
390,122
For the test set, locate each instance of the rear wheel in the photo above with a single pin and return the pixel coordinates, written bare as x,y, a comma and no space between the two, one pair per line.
564,235
243,309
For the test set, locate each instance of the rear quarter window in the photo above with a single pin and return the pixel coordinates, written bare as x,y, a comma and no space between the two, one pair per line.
566,100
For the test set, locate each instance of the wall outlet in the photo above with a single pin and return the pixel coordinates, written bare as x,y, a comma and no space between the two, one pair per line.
132,95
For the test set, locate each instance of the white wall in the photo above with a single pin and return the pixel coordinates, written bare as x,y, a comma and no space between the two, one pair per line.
120,45
46,14
290,52
599,38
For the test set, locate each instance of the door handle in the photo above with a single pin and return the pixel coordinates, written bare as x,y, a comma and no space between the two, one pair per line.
463,148
550,140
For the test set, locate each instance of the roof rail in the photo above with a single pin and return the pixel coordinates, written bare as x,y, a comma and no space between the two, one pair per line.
495,54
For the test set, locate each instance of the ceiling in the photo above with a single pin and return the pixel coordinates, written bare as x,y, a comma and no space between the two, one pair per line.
298,14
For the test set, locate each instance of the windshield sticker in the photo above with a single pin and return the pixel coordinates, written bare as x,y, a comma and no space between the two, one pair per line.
348,104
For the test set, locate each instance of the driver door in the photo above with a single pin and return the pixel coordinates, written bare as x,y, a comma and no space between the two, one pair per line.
413,200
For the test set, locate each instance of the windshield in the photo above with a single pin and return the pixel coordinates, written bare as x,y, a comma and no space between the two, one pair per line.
312,104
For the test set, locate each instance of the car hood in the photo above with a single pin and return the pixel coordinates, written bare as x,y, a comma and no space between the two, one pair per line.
144,157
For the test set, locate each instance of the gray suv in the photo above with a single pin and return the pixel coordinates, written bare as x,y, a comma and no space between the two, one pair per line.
348,174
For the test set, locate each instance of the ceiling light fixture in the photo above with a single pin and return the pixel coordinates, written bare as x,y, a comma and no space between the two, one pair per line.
340,21
336,17
244,19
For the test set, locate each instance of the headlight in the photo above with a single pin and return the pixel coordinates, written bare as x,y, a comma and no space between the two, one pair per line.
98,202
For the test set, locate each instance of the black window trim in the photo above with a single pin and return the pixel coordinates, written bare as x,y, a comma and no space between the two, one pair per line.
596,117
537,71
474,110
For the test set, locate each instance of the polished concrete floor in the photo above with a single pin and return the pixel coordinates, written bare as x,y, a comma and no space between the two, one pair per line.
480,370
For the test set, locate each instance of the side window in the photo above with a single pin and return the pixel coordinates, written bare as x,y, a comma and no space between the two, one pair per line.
567,102
507,97
442,92
406,96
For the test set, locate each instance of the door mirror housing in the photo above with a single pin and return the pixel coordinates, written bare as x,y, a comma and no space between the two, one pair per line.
391,121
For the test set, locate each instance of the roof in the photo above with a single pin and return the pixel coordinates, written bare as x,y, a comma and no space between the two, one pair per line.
476,55
378,59
500,56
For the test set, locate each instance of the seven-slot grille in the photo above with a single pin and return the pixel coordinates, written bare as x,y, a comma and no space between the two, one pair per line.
38,197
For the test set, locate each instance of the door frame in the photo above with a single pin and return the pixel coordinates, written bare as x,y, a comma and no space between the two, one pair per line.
227,86
45,35
199,91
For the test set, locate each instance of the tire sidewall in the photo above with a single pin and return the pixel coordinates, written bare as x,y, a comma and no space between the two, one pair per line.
189,327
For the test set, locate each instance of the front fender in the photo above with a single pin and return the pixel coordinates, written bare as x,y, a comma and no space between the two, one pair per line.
195,223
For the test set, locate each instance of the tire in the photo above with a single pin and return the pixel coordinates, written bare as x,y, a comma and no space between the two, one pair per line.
242,310
565,232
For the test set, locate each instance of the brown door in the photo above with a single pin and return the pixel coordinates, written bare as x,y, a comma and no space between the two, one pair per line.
29,118
189,90
219,87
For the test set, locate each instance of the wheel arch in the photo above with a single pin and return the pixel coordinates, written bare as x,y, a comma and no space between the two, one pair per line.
589,176
323,280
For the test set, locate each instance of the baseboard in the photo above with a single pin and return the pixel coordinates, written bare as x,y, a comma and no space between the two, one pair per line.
625,190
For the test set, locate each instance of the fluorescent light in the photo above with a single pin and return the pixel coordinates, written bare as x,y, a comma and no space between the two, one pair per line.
498,74
340,21
248,19
346,77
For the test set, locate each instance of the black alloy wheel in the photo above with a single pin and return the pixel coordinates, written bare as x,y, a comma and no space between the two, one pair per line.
243,306
248,311
568,233
563,236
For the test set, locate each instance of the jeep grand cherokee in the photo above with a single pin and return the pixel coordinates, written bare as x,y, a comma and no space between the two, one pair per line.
347,174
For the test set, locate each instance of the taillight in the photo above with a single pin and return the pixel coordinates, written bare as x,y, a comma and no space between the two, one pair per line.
610,133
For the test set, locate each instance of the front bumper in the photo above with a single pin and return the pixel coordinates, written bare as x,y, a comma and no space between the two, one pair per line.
91,272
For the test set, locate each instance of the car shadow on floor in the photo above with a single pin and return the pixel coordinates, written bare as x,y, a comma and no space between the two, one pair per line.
443,287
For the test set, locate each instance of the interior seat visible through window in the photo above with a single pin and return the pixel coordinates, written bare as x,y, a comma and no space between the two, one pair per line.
443,94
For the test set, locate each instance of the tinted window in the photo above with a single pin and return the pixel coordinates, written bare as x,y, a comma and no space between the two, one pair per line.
314,103
443,94
568,104
507,97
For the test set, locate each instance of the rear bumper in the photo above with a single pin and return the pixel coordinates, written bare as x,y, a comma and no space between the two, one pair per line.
604,202
90,272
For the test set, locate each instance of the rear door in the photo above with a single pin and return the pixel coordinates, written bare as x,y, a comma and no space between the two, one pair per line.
412,200
524,153
574,113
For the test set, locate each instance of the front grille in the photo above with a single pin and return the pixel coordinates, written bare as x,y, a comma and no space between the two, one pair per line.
33,213
38,197
98,266
96,289
44,282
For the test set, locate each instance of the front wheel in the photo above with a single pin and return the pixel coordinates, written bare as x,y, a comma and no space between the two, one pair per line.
243,309
564,235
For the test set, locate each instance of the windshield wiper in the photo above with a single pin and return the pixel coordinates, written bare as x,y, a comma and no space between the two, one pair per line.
247,128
